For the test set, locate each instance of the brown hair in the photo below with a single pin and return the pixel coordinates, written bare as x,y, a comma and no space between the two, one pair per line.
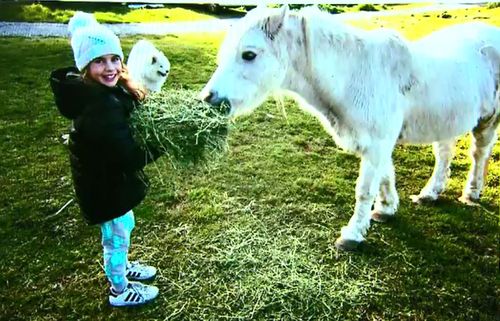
136,90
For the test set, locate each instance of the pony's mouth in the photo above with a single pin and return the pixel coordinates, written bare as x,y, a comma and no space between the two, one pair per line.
163,74
225,108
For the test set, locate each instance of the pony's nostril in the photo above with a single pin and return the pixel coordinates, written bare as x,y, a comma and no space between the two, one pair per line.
211,98
219,103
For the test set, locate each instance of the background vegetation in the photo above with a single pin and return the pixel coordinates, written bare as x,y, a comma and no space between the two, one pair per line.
111,12
249,237
35,11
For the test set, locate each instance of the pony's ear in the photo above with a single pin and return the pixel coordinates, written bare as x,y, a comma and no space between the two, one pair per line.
284,12
273,24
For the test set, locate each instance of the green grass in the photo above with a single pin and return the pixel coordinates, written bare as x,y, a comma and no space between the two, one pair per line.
61,12
104,12
493,5
250,237
418,24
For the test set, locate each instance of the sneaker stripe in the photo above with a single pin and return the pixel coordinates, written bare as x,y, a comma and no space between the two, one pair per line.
128,296
133,297
134,274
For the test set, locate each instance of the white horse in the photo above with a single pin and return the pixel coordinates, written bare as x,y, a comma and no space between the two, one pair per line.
371,90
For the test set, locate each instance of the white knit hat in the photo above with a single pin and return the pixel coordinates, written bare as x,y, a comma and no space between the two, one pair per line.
91,40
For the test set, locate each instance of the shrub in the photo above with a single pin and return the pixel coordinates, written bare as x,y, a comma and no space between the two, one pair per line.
367,7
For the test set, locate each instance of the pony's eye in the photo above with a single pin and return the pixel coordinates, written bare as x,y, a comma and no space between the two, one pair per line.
153,61
248,55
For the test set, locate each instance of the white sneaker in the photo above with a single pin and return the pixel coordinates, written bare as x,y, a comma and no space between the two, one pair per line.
140,272
134,294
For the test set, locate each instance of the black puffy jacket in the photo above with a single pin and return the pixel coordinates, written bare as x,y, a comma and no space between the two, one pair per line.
106,163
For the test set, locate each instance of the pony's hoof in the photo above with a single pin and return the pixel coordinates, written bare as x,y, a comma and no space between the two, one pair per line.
422,199
381,217
468,200
346,245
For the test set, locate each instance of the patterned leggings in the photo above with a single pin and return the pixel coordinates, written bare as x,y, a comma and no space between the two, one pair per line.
116,242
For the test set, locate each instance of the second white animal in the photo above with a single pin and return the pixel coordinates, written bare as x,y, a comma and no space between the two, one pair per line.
148,66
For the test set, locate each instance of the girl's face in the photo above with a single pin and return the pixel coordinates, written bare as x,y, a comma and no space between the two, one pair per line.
106,70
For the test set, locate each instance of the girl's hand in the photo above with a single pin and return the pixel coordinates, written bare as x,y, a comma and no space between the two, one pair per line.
132,87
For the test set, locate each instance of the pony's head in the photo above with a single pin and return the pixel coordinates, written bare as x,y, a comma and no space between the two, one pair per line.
252,61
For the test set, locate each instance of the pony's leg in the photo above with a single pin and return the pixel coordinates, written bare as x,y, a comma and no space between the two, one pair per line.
387,200
443,152
484,137
372,165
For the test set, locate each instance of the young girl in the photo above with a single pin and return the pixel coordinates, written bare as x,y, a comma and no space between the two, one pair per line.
106,163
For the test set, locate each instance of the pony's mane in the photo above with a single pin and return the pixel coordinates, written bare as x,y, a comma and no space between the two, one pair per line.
318,30
324,18
316,20
322,22
269,21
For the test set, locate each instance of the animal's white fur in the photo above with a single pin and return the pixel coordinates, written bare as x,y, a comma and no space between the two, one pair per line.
371,90
148,66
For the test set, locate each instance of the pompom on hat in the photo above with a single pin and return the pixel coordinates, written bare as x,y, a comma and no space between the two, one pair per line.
80,20
90,40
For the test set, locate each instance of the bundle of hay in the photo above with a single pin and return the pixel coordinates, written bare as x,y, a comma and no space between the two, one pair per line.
181,127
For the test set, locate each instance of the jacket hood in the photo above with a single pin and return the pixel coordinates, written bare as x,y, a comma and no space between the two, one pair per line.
71,94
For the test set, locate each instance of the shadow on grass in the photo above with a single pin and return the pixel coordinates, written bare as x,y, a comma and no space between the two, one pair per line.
445,257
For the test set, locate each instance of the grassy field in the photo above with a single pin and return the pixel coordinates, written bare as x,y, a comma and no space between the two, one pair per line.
116,12
419,24
104,12
247,238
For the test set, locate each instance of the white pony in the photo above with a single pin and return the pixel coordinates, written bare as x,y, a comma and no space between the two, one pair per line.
148,66
371,90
